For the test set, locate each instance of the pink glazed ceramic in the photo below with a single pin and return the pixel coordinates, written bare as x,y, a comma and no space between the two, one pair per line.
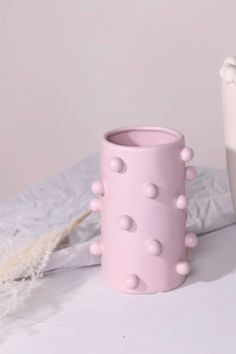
141,196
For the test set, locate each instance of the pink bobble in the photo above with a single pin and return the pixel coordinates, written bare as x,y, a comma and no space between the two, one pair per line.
154,247
150,190
191,240
183,268
190,173
181,202
125,222
187,154
132,281
95,204
97,187
116,164
96,248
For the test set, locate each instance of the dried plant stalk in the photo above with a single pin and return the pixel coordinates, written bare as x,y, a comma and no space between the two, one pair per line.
29,261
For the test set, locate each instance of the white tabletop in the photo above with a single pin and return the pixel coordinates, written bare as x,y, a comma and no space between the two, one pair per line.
74,312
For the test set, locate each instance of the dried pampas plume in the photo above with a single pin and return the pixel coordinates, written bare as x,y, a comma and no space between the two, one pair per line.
28,261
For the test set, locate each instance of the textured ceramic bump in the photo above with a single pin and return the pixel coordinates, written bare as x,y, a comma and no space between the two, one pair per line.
228,76
95,204
187,154
190,173
97,187
191,240
96,248
143,209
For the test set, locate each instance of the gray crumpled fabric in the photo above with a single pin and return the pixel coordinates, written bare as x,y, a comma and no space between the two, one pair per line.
50,205
209,201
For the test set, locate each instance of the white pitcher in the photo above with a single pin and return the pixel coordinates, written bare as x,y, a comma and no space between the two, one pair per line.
228,75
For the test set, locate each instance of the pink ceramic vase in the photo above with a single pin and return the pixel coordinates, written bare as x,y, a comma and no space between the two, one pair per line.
141,196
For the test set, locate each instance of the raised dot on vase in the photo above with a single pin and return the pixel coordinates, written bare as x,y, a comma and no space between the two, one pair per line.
187,154
191,240
150,190
181,202
96,248
116,164
97,187
132,281
95,204
190,173
183,268
153,247
125,222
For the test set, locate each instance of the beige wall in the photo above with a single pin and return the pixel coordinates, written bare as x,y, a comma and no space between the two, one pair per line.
71,69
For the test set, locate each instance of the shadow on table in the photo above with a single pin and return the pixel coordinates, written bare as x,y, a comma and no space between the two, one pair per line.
214,258
54,290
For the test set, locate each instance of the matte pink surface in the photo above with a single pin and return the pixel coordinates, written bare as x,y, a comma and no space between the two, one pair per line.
143,209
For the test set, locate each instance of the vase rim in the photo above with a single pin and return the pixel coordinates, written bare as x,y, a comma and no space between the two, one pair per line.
173,137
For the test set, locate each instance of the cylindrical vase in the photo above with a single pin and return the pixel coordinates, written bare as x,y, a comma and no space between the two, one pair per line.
141,196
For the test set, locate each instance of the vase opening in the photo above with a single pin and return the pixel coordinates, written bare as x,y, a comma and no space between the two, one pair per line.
143,137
